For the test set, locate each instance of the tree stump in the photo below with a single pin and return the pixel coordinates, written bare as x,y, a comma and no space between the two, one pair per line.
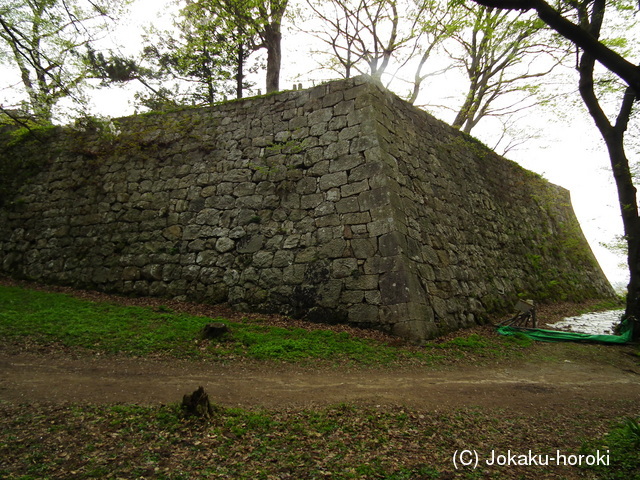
214,330
197,404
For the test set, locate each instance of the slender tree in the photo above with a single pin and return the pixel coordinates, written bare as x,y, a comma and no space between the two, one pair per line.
264,18
364,35
341,26
559,20
496,52
201,60
438,22
45,40
582,24
204,56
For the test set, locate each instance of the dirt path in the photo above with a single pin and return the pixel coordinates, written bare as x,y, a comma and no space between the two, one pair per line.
60,378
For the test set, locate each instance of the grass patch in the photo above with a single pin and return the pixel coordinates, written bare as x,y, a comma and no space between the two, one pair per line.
44,318
622,444
52,317
479,347
472,342
275,343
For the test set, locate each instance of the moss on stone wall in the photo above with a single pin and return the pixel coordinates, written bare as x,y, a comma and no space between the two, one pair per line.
24,151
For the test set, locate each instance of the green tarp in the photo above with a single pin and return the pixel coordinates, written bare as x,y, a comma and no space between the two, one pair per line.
558,336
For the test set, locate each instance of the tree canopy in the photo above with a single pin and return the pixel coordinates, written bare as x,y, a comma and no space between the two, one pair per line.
46,40
203,57
559,19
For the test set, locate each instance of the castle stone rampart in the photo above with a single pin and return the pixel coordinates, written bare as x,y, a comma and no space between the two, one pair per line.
337,203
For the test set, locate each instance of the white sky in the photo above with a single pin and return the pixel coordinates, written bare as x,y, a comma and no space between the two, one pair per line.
570,153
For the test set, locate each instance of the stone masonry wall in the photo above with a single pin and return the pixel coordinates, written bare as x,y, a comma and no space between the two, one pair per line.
338,203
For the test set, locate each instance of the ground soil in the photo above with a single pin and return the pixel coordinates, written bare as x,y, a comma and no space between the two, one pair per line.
547,380
58,378
553,396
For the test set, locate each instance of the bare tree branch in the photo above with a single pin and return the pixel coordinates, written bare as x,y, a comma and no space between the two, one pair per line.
613,61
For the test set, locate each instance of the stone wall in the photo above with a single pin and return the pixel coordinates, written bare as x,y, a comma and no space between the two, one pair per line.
338,203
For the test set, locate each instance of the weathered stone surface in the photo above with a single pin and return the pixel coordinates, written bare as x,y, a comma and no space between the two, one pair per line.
338,203
250,244
224,244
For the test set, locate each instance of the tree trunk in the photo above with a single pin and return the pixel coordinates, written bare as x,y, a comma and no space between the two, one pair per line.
632,310
240,75
197,404
613,136
273,39
627,199
465,113
418,78
628,202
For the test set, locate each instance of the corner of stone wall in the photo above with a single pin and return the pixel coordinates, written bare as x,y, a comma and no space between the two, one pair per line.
455,205
406,307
